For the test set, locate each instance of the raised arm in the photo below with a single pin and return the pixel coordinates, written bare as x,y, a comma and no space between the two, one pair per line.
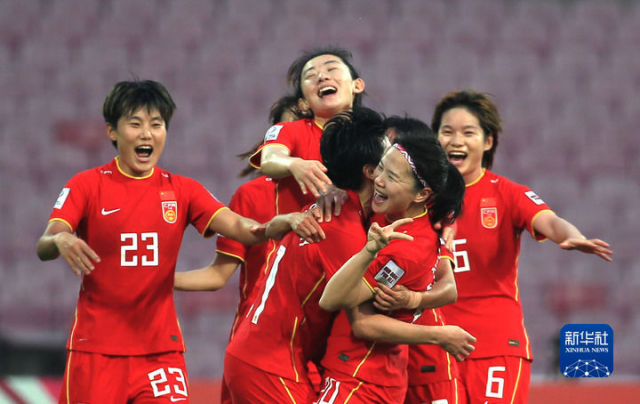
567,236
212,277
347,288
277,162
58,240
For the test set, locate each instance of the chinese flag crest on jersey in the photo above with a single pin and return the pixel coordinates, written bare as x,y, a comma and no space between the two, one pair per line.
169,207
488,213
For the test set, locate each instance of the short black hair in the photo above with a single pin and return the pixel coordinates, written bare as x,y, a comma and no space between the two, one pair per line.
294,74
126,97
350,141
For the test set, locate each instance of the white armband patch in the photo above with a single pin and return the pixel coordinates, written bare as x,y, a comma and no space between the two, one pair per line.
62,198
272,133
390,274
534,198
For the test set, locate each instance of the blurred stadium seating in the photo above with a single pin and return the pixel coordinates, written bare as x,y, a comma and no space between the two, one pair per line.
565,74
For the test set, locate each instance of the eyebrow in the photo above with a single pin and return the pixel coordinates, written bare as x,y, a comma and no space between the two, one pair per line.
325,63
464,127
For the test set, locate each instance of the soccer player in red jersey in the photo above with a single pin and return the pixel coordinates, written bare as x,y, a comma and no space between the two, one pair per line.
433,373
415,187
119,227
326,83
286,328
496,212
266,361
254,199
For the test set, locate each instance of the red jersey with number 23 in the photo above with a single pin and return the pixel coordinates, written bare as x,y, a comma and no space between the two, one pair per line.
135,225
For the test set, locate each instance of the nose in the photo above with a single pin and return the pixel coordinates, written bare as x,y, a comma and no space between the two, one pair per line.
456,138
378,181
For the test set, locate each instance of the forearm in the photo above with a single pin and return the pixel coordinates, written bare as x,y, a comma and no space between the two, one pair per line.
198,280
213,277
556,228
378,327
343,289
47,247
276,163
441,294
236,227
444,290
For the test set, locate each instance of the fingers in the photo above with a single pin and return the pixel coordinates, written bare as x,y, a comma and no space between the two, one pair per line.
316,182
327,209
79,265
310,230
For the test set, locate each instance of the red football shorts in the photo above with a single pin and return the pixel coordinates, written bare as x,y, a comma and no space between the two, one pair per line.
95,378
501,379
249,384
444,392
339,388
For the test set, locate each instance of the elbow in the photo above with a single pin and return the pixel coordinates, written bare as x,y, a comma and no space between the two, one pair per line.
362,332
452,295
326,304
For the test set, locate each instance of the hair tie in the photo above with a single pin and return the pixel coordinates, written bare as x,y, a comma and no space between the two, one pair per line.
410,161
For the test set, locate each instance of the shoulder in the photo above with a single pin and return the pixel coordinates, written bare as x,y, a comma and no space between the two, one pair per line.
493,180
95,174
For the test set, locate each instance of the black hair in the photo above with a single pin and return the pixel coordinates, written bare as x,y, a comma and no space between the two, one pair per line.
126,97
432,165
481,106
350,141
294,74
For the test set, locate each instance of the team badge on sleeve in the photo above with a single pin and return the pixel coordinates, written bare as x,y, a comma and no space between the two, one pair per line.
390,274
62,198
534,198
272,133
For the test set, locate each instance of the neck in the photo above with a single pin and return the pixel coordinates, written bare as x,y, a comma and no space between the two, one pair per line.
365,194
416,209
473,176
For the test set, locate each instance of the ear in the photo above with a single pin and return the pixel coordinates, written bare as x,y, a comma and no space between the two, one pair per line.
488,142
358,86
111,132
369,171
303,105
423,195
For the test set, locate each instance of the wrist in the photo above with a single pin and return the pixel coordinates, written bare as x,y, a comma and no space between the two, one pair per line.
372,254
414,300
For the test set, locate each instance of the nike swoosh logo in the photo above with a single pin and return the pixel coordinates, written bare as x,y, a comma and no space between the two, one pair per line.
174,399
494,181
108,212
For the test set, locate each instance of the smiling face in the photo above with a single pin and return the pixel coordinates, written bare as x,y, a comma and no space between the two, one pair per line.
395,192
140,139
464,141
327,86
